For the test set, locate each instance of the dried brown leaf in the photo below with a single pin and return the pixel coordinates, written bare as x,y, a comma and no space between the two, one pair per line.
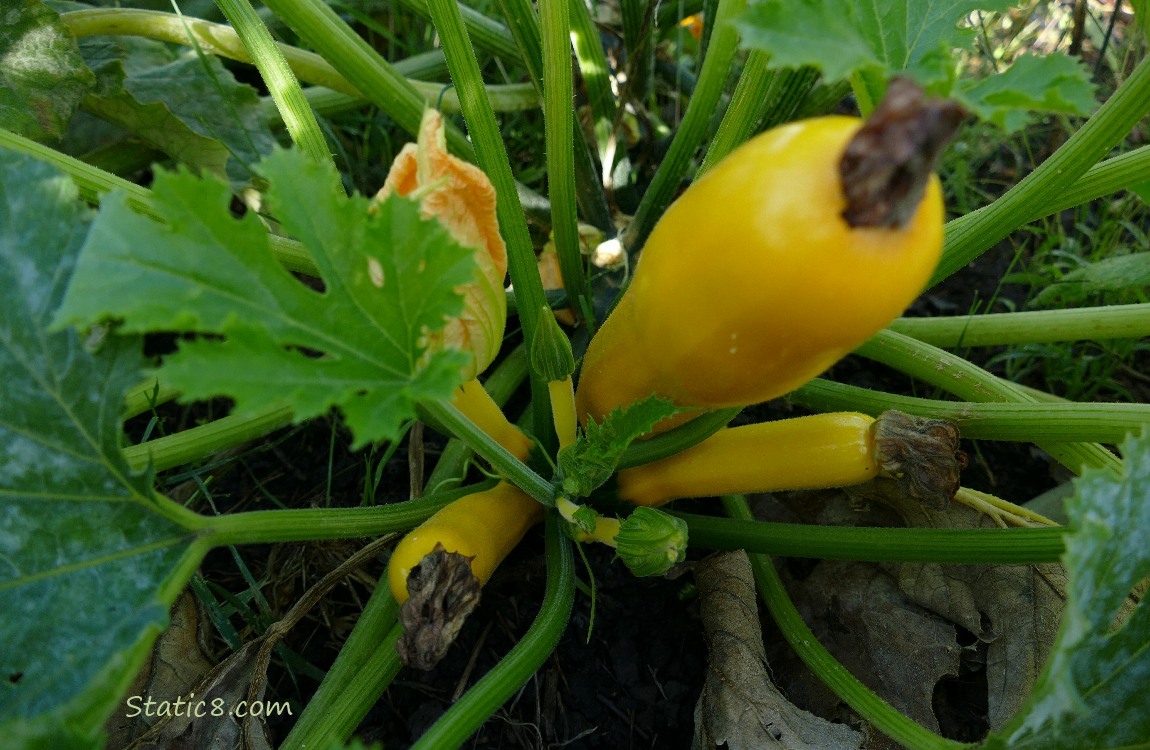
1012,611
740,707
176,665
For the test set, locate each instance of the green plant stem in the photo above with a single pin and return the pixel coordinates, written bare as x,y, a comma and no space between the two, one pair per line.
487,33
1032,327
92,183
360,65
282,85
503,381
525,28
146,395
307,524
366,665
335,92
1002,546
970,382
596,75
748,105
559,133
702,107
1053,422
791,90
513,670
885,717
677,440
508,466
512,97
492,159
637,32
193,444
1044,187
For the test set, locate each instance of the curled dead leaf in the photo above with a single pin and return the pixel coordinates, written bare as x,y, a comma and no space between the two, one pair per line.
740,707
956,647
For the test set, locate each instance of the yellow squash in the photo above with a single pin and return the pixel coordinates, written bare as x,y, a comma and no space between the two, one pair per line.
752,283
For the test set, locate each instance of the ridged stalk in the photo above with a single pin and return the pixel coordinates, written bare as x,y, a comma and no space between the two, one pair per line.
492,159
515,669
1044,187
968,381
277,75
1053,422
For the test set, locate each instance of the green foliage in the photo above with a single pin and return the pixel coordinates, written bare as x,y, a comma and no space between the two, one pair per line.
1093,684
186,105
592,459
91,558
389,276
880,39
42,78
1115,274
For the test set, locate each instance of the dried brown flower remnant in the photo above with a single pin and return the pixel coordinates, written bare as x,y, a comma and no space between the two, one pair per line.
922,454
888,162
443,592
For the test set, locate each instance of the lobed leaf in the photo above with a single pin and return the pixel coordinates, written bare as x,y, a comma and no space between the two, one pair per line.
591,460
42,78
90,560
189,106
882,38
1054,83
390,280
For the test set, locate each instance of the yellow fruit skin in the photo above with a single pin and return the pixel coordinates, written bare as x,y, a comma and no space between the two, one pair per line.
823,450
485,525
475,403
752,283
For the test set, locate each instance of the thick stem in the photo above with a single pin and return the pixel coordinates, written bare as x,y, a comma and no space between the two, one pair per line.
492,159
504,462
1032,327
478,704
968,381
277,75
366,665
1045,187
309,524
1024,422
966,546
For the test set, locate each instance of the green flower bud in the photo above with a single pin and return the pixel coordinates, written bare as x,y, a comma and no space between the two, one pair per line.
650,541
551,355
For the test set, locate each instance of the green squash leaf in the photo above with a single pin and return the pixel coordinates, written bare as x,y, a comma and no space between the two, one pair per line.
390,279
1092,691
592,459
1117,274
876,40
187,106
842,36
90,559
808,32
42,76
1054,83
